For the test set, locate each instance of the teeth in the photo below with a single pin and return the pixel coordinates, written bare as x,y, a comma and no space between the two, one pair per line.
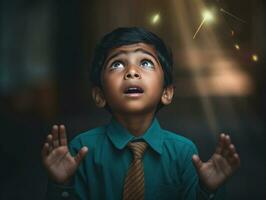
134,90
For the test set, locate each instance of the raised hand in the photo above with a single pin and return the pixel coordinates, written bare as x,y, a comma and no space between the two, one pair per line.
223,163
56,157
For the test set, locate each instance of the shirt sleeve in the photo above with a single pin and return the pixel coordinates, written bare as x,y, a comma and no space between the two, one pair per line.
60,192
190,180
204,194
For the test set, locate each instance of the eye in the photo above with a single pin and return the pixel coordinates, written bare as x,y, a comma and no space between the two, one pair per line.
117,65
147,64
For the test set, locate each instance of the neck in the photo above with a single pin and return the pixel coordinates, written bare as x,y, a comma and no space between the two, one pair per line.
135,124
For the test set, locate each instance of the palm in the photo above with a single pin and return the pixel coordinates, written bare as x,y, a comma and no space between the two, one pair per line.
57,159
220,166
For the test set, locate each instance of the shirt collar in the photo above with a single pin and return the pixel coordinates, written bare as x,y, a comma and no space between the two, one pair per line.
120,136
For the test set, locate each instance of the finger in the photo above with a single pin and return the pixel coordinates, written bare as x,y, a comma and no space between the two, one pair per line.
50,142
237,159
227,142
220,144
232,155
197,161
229,149
55,136
232,149
234,161
62,135
45,150
81,154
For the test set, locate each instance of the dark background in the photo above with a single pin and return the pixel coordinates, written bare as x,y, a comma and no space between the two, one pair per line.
46,48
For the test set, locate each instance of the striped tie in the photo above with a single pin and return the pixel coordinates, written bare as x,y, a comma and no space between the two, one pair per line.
134,182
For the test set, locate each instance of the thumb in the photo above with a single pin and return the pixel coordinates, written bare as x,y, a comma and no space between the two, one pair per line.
197,161
81,154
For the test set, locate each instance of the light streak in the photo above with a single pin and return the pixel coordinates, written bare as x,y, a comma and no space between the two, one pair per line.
207,16
232,15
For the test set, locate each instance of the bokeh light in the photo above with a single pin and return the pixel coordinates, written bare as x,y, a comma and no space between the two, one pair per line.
155,19
207,16
237,46
255,58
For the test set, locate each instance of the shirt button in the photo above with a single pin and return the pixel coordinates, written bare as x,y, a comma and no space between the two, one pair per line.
65,194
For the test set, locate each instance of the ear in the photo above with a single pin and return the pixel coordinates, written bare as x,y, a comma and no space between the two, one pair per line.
167,95
98,97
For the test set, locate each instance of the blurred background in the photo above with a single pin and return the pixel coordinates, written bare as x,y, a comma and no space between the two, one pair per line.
46,50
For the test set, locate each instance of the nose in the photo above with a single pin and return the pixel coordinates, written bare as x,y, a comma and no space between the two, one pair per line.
132,73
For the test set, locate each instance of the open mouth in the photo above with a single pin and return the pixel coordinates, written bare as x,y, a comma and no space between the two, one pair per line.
133,90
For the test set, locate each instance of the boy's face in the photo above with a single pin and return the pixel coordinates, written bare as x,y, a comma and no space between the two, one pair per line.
132,79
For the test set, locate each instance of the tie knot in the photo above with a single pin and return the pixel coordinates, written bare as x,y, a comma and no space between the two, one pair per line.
138,149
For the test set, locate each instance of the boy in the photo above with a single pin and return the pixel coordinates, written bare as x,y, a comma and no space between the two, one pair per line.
133,157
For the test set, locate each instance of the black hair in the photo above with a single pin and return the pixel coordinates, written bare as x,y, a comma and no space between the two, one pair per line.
127,36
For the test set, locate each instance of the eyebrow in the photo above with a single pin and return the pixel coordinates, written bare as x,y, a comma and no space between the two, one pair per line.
126,52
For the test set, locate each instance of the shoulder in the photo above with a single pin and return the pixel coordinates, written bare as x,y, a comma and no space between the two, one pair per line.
88,138
176,138
178,142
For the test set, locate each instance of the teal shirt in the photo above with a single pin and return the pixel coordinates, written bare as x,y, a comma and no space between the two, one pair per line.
168,168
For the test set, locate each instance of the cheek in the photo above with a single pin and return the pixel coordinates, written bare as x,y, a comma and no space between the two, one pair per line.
156,81
111,84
